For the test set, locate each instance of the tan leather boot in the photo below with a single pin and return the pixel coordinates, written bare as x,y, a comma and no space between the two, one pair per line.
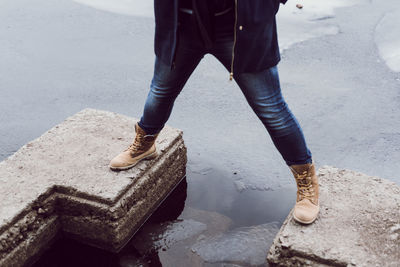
143,147
307,203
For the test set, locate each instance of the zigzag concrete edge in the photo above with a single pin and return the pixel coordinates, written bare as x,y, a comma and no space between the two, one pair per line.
105,222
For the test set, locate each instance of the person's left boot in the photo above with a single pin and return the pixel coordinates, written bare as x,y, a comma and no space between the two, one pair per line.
307,204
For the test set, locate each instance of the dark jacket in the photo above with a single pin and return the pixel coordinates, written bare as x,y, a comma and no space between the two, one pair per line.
256,43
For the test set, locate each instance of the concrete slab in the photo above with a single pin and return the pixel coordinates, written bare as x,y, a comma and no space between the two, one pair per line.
61,182
359,225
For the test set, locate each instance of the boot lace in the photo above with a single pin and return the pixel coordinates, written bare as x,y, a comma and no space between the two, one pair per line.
137,144
304,185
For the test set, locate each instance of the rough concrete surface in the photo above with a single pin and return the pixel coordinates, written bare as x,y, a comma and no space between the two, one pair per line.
61,182
358,225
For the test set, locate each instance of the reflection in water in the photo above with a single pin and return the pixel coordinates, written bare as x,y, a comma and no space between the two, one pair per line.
245,245
216,191
69,253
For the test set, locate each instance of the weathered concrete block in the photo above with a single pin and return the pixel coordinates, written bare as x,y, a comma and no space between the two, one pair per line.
359,225
61,182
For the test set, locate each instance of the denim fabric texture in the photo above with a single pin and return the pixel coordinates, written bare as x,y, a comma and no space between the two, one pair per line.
261,89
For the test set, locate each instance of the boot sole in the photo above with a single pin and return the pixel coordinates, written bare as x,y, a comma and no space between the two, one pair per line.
148,157
303,222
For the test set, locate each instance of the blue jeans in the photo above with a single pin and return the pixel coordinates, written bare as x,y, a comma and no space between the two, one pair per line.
261,89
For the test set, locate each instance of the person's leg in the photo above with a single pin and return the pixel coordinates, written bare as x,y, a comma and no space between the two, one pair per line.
165,87
167,83
263,93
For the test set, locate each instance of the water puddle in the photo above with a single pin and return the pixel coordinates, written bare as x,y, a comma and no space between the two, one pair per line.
217,191
244,246
387,39
204,222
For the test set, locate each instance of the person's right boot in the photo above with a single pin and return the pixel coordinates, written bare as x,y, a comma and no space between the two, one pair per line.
143,147
307,203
